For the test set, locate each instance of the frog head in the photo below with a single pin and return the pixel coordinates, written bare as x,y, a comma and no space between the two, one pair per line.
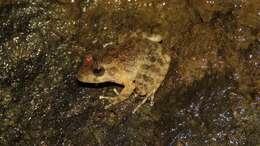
95,71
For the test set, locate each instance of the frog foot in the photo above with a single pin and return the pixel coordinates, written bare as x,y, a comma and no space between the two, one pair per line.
150,97
111,100
109,105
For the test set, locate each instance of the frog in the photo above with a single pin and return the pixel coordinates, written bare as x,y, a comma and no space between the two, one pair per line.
138,62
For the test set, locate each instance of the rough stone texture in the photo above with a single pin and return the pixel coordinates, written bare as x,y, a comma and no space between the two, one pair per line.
210,96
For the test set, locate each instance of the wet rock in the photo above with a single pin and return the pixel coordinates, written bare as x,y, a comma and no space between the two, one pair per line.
209,9
210,95
248,14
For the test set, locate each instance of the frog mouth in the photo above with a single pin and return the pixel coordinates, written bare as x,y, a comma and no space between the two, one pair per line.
98,85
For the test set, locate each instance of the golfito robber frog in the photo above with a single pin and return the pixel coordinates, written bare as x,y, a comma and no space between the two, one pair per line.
138,62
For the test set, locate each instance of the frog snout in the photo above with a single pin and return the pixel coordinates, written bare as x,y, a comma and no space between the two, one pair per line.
80,77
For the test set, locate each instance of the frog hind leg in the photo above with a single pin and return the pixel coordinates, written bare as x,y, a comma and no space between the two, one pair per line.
123,95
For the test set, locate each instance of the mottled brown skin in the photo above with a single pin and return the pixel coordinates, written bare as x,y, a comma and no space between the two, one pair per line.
138,63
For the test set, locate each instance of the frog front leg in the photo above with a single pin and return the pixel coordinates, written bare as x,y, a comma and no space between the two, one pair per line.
148,96
128,89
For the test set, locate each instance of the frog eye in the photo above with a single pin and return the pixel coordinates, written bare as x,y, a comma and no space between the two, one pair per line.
99,71
88,60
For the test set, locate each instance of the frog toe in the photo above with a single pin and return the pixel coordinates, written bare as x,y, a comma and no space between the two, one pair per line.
111,104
